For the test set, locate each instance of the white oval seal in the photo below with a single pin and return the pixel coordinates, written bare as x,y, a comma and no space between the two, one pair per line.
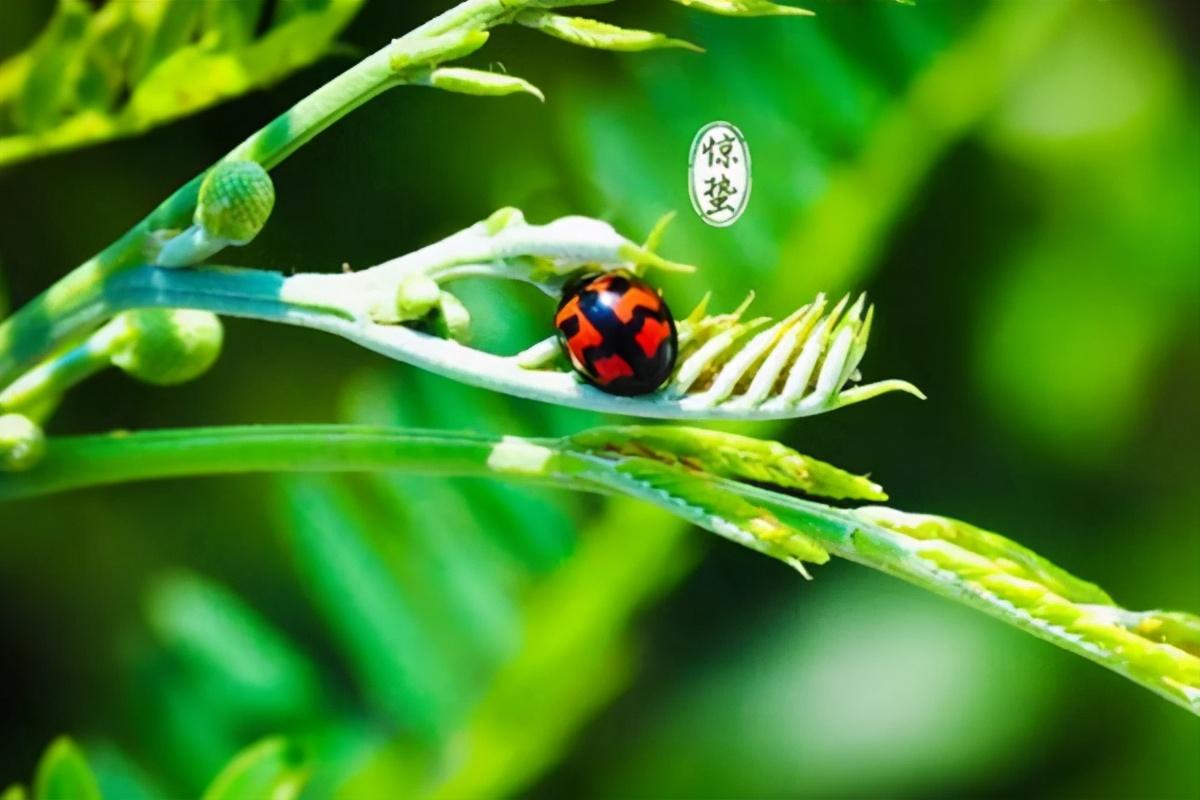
719,174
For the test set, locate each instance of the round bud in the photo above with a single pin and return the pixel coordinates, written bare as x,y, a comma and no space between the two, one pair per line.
416,296
22,443
235,200
168,346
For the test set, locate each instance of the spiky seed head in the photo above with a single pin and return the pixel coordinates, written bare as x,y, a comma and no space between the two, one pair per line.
236,197
22,443
168,346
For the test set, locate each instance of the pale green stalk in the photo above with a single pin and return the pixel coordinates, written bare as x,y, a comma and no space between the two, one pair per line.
1154,649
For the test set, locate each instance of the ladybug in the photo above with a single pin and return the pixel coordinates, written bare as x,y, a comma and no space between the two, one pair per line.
617,332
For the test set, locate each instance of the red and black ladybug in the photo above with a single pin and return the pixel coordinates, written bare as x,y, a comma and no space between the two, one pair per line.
617,332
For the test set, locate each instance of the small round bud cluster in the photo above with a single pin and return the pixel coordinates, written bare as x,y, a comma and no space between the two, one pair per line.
168,346
236,197
22,443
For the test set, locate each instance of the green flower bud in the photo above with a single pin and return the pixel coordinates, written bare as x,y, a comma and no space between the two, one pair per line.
417,295
22,443
235,200
168,346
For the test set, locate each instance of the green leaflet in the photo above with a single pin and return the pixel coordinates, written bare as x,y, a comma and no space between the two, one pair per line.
129,66
730,455
702,501
480,83
240,659
600,35
1007,555
63,772
274,768
384,638
745,8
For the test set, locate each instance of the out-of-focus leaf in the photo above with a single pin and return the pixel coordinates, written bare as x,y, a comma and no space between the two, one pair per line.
230,649
1083,313
274,768
48,81
132,65
63,772
381,634
232,23
119,776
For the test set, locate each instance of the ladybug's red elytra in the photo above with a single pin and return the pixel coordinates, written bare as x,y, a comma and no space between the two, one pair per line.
617,332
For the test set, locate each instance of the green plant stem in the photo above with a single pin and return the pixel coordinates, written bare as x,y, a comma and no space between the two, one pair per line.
43,385
343,299
83,461
1085,623
30,333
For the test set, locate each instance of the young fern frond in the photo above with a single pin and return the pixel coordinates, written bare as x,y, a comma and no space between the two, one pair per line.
404,309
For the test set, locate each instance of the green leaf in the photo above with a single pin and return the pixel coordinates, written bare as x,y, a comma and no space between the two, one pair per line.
600,35
375,622
14,792
1007,555
480,83
93,76
745,8
57,52
702,500
274,768
732,456
232,22
227,646
64,773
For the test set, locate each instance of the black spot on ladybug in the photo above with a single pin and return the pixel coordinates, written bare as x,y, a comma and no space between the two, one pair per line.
617,332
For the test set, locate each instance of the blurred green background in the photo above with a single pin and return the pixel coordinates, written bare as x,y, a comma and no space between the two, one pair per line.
1017,184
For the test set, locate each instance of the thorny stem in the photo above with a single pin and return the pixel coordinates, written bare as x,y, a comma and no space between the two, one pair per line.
1097,629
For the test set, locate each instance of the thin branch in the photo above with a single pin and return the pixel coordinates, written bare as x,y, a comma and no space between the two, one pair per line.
977,568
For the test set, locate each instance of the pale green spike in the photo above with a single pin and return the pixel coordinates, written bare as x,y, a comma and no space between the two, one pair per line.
858,347
709,353
836,357
801,372
654,238
768,374
737,366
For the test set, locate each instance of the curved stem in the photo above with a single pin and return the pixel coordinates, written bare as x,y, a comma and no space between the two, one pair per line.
50,379
85,461
259,294
979,569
